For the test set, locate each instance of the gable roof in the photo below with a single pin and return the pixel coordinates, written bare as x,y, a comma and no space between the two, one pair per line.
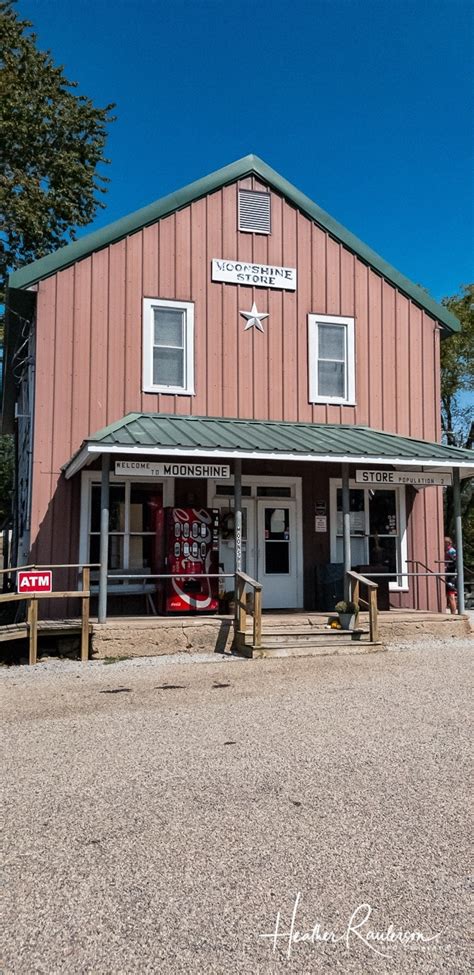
248,165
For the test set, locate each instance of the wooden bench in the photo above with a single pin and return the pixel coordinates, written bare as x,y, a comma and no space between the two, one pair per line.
128,587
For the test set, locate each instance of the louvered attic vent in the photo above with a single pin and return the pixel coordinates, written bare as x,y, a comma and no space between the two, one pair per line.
254,212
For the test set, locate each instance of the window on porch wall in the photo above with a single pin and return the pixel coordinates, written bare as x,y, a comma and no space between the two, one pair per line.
375,530
132,525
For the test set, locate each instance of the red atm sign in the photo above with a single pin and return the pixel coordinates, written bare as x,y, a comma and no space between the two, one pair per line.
35,582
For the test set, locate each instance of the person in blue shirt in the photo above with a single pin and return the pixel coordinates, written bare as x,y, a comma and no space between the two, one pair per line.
450,558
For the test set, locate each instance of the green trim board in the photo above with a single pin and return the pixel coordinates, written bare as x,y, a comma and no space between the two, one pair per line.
248,165
148,434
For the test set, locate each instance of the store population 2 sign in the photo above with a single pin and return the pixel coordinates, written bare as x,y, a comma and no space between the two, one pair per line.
415,478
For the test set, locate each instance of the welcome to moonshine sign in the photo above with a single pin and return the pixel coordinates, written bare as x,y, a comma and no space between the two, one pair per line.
138,468
258,275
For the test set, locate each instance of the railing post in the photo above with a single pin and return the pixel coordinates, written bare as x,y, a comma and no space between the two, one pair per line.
86,585
355,592
257,619
32,630
241,607
373,616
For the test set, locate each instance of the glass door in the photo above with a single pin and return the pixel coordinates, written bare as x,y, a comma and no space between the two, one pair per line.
276,553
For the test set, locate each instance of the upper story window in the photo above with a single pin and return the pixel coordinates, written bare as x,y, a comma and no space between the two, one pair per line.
254,212
168,346
331,359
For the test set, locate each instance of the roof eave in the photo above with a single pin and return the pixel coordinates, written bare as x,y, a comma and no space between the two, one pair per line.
89,450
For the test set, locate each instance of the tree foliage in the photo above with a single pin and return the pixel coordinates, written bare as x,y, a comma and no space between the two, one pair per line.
6,468
53,141
457,405
457,371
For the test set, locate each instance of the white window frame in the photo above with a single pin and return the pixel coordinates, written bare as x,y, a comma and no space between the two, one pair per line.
149,304
313,322
88,478
401,585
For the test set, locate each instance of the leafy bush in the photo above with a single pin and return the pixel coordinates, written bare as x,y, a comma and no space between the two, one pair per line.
345,607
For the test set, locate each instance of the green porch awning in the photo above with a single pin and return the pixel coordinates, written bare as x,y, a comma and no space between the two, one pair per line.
168,435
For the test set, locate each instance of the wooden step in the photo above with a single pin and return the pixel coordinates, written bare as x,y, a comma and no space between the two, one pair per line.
314,649
294,637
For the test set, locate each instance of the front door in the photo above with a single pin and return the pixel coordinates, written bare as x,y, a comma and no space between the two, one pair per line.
277,568
272,536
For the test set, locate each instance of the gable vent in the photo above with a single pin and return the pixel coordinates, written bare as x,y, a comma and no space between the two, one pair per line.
254,212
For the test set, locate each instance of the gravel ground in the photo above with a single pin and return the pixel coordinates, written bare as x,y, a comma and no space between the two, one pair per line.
159,815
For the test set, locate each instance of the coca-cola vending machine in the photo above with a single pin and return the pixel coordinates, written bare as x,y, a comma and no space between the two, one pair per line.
188,544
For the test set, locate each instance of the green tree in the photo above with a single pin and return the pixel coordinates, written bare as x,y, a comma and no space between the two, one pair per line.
53,148
53,142
6,467
457,404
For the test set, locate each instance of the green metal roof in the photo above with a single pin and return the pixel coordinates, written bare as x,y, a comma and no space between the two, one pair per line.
158,434
251,164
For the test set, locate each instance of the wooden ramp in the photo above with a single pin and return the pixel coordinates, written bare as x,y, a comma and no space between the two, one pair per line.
20,631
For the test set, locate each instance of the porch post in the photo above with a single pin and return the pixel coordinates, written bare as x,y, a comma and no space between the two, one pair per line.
104,537
238,514
346,528
458,538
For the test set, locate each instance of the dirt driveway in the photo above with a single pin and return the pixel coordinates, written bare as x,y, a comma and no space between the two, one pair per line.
162,816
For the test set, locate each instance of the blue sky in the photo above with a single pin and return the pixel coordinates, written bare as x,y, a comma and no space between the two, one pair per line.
365,106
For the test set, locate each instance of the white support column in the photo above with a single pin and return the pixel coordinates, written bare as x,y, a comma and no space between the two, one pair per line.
104,537
346,528
458,539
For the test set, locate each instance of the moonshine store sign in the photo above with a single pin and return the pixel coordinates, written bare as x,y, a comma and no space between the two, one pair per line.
141,468
258,275
414,478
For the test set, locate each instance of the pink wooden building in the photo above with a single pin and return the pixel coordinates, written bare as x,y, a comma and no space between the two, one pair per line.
232,324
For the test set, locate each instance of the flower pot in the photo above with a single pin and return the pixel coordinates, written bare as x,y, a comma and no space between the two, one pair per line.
347,621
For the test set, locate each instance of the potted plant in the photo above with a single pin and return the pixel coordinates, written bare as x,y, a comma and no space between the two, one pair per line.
348,613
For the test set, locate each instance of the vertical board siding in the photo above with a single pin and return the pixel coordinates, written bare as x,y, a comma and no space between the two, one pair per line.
362,343
374,351
116,346
275,320
230,309
199,278
402,364
389,379
100,327
89,333
243,250
290,321
415,339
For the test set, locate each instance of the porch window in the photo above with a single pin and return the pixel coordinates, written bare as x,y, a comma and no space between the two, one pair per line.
168,346
378,530
331,359
132,525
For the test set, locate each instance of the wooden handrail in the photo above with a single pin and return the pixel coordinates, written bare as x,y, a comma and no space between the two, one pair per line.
251,582
367,582
32,599
66,565
355,580
241,581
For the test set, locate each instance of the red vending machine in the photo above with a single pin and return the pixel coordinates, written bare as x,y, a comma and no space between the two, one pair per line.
188,540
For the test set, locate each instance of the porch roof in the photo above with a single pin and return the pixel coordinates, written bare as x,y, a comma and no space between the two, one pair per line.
161,435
